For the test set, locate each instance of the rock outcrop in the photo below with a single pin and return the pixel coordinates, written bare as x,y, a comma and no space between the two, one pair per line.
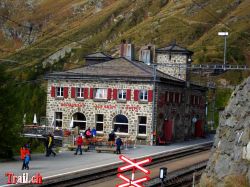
229,164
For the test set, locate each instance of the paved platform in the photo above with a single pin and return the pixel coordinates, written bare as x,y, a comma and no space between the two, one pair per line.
66,162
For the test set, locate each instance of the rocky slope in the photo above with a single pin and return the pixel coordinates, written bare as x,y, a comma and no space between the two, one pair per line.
40,28
229,164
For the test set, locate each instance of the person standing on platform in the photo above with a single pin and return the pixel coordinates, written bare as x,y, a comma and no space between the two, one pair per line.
79,143
50,145
111,138
93,132
118,143
88,133
23,152
27,160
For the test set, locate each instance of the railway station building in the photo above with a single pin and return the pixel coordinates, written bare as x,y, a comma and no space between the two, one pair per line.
136,100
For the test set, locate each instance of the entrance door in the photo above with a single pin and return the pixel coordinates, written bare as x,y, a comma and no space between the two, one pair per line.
198,128
168,126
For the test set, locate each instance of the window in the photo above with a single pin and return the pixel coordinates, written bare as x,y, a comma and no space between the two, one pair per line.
79,120
99,122
121,124
143,95
122,94
100,93
142,125
58,119
79,92
59,91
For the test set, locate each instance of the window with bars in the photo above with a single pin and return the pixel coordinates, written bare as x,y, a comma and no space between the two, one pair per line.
99,122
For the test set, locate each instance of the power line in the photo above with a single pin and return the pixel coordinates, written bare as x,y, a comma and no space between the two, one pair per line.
218,18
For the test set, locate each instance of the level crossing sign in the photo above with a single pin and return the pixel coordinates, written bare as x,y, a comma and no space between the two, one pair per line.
133,165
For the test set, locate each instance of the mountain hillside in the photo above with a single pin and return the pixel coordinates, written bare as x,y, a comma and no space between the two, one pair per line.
38,33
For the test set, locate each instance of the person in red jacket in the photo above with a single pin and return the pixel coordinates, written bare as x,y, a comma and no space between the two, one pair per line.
79,143
23,152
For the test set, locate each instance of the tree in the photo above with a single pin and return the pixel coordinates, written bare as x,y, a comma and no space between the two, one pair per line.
10,118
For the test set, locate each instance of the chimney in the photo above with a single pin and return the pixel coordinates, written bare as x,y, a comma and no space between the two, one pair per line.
127,50
147,54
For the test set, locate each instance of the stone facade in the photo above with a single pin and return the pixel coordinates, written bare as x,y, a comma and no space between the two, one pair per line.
169,64
180,111
110,108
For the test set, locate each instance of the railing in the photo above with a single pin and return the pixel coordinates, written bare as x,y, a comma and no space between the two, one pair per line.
37,130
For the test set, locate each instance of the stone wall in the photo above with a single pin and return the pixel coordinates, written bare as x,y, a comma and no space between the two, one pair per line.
230,160
110,108
164,59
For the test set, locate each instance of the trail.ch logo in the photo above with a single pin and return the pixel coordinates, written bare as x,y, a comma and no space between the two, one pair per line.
24,178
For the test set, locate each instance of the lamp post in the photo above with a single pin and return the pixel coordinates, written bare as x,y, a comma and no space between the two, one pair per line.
224,34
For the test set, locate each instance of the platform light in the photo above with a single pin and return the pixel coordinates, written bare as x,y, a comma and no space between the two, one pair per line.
163,173
224,34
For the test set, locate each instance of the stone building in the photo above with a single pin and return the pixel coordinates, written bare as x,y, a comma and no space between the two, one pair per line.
171,60
123,95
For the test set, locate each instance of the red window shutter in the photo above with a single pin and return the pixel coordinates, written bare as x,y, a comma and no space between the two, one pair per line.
109,93
73,92
150,95
91,93
86,93
114,94
136,95
53,91
128,95
65,92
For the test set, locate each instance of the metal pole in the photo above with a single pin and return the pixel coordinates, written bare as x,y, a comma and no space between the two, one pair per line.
153,127
225,51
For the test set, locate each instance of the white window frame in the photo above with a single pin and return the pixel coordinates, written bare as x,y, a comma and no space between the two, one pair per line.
58,119
99,122
142,124
80,92
59,91
123,94
144,94
101,93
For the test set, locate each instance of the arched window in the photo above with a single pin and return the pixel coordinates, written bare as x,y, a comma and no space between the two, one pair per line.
79,120
120,123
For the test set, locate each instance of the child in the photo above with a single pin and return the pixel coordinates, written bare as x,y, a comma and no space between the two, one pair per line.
26,161
22,154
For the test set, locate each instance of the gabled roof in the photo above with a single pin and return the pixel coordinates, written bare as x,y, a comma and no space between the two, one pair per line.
98,55
119,68
174,48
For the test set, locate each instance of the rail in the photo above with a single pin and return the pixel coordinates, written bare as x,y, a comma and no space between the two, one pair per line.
110,170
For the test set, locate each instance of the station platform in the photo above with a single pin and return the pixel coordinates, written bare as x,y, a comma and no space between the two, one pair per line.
67,163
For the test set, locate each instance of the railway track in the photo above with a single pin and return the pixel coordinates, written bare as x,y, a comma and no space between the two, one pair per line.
99,175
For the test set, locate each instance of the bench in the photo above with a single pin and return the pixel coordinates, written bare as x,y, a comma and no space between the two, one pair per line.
106,149
73,147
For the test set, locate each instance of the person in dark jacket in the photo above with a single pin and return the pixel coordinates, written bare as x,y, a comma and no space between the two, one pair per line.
118,143
50,142
111,138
